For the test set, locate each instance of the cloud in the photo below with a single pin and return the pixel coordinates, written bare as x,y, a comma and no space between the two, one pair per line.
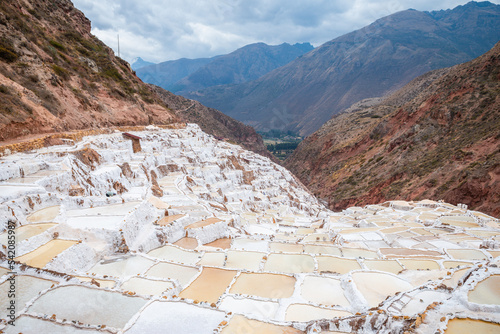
160,30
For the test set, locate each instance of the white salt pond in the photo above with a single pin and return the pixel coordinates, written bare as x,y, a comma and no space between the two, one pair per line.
323,290
240,324
244,260
302,312
29,325
143,286
290,263
27,231
375,287
487,291
89,306
122,267
188,319
174,254
257,309
331,264
44,215
182,274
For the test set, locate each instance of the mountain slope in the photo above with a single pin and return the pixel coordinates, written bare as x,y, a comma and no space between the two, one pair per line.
138,63
438,138
55,76
245,64
369,62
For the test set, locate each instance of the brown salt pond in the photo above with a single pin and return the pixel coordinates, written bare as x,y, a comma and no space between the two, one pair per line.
419,264
244,260
45,253
222,243
158,203
303,312
336,265
203,223
187,243
27,231
239,324
264,285
390,266
467,326
289,263
209,286
486,291
44,215
169,219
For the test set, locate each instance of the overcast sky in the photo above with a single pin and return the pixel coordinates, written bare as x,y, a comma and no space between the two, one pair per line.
160,30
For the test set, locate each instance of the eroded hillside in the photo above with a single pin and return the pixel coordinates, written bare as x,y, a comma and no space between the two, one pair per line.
438,137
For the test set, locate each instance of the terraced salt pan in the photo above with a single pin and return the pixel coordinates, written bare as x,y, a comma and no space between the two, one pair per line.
289,263
174,254
460,221
102,282
390,266
45,253
170,219
421,300
419,264
182,274
209,286
89,306
375,287
26,288
44,215
257,309
29,325
112,223
188,319
143,286
323,290
285,247
467,254
328,250
456,264
333,264
239,324
204,223
106,210
264,285
187,243
467,326
244,260
250,245
486,291
356,252
26,232
406,252
303,312
215,259
122,267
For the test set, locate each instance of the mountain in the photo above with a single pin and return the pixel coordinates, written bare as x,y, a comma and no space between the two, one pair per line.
370,62
245,64
55,76
167,73
438,137
138,63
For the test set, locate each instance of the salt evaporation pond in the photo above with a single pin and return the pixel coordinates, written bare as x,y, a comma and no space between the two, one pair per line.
234,245
467,326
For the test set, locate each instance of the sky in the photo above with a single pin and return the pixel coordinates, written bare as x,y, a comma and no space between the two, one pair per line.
161,30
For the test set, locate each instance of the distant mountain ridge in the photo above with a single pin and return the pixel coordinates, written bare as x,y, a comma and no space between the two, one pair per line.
247,63
138,63
370,62
438,137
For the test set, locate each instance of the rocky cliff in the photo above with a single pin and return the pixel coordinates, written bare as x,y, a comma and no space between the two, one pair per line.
55,76
438,137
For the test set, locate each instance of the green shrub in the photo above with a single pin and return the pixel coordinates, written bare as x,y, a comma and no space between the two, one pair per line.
57,45
61,72
8,55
